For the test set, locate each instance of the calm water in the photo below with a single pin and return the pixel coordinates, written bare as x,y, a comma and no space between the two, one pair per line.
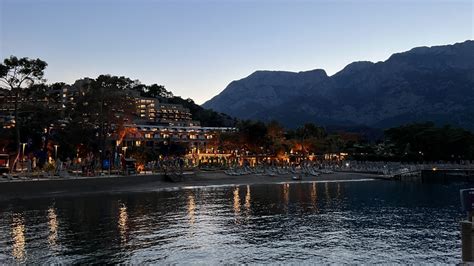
373,221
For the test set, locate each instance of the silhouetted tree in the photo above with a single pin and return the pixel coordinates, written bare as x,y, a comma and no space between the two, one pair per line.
17,75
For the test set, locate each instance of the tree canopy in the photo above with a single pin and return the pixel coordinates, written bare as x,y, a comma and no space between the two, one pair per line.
425,141
16,75
19,73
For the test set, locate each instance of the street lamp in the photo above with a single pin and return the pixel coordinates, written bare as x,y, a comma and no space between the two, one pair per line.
23,145
56,151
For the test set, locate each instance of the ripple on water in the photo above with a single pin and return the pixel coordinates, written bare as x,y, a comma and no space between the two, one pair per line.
337,222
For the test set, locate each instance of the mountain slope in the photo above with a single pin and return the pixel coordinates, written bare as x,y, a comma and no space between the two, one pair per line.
263,89
426,83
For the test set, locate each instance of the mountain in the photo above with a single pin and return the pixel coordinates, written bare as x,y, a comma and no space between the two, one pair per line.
423,84
263,89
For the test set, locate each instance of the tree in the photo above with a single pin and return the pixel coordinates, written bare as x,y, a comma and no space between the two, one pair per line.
17,75
253,135
427,142
309,133
276,137
156,91
103,106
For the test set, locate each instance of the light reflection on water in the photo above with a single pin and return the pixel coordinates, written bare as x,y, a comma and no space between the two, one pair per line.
53,228
18,237
286,195
247,198
338,222
326,190
191,208
236,201
122,222
314,195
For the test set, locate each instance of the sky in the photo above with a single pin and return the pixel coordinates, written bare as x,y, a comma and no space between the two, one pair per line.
196,48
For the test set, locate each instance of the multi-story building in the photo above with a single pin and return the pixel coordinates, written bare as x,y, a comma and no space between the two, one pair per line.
8,98
174,115
154,122
201,142
146,109
7,102
160,124
153,135
49,99
151,111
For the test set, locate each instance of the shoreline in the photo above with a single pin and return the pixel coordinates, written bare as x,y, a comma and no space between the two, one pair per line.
79,186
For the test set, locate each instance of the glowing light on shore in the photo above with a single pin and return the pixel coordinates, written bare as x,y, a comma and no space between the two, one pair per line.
18,236
53,227
122,222
124,132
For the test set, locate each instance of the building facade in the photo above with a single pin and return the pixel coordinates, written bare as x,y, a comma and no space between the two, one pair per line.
153,135
151,111
149,124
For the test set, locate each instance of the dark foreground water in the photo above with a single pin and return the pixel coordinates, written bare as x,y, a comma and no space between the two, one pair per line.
372,221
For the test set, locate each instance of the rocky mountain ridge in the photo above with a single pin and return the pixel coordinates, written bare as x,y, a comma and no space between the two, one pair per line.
423,84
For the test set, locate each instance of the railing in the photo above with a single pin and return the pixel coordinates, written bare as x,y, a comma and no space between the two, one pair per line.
401,169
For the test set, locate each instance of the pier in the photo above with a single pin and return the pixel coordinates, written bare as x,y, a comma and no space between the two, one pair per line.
437,174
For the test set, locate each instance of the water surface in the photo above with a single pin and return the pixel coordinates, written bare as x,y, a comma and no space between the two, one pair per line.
337,222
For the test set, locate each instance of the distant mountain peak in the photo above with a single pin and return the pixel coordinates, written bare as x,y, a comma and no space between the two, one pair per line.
423,84
314,72
265,73
457,49
355,67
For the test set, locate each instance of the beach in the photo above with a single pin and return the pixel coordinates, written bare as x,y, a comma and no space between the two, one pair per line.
73,186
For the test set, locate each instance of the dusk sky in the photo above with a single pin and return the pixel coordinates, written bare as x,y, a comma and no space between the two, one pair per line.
195,48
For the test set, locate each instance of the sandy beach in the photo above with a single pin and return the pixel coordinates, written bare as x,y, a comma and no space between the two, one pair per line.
74,186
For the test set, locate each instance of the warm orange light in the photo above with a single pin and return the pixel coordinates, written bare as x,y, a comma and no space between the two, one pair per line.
191,209
53,227
247,198
124,132
122,222
140,167
236,201
18,235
